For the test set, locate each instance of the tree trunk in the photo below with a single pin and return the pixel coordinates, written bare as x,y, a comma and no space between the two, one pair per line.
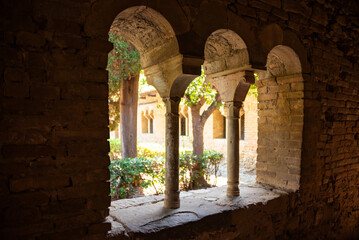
197,136
197,128
128,117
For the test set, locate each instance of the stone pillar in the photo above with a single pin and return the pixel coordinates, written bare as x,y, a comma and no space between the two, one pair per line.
172,153
233,147
233,86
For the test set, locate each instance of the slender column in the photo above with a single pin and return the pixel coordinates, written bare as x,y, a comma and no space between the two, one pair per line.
233,147
172,153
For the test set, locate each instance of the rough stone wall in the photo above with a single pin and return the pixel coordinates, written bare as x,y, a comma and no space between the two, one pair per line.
280,131
54,117
53,113
248,146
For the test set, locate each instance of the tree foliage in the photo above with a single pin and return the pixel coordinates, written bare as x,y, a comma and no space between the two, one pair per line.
200,92
123,63
253,88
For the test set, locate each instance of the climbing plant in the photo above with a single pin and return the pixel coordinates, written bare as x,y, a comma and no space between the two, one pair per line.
123,64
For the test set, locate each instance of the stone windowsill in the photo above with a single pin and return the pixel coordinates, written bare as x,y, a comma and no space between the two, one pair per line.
146,214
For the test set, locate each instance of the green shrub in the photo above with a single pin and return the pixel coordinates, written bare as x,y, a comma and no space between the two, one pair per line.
148,170
193,167
149,153
213,159
145,152
115,148
130,173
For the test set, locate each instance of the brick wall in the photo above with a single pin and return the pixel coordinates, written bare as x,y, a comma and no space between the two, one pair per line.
54,111
280,131
54,118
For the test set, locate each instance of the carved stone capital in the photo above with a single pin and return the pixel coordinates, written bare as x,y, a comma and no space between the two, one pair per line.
163,75
233,109
172,104
234,86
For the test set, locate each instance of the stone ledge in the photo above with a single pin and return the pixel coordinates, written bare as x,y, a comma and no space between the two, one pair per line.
146,215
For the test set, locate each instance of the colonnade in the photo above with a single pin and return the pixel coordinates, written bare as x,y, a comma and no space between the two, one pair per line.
233,89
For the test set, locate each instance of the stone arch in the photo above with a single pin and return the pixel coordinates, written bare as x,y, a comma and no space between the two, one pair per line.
155,39
149,32
225,50
281,120
283,61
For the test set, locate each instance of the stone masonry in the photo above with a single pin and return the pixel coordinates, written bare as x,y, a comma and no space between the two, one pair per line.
54,111
280,130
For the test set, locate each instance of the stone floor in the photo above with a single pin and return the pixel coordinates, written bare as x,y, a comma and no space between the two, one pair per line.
146,215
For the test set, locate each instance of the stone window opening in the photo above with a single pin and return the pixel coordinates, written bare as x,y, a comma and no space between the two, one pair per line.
154,38
183,125
144,123
54,117
147,118
232,82
219,125
183,121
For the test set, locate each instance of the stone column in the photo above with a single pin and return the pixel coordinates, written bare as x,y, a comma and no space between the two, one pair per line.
233,147
172,153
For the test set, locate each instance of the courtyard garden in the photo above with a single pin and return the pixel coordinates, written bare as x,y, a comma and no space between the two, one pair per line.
145,174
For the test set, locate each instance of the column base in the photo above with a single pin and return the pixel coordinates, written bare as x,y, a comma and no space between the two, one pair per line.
172,200
232,191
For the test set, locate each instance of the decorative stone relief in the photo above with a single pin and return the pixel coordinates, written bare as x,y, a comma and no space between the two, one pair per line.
275,66
224,51
283,61
149,32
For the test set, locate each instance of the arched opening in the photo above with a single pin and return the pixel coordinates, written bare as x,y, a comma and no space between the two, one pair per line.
153,37
144,123
147,118
280,124
184,121
219,124
227,67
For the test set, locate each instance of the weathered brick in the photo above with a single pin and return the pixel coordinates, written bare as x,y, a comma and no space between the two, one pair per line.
30,39
43,182
275,3
15,75
69,42
319,15
293,6
280,13
44,92
14,89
